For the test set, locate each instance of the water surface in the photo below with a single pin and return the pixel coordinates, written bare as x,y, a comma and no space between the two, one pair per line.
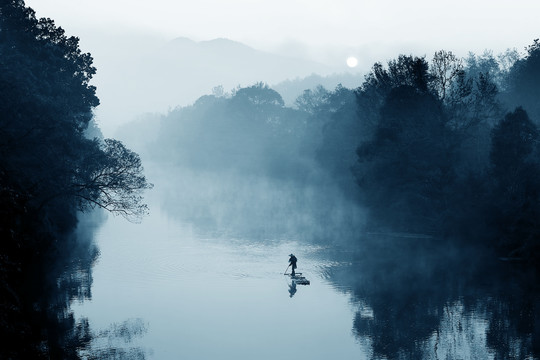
206,297
202,278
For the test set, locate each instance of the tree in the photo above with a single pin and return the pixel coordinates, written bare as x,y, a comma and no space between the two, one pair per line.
445,69
311,100
523,82
473,107
339,120
406,169
405,70
513,142
48,170
45,67
516,192
259,94
110,178
46,107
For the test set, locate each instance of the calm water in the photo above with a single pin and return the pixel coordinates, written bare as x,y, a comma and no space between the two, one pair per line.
216,297
170,288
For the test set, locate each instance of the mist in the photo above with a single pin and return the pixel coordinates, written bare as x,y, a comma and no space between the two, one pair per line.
156,76
158,193
320,170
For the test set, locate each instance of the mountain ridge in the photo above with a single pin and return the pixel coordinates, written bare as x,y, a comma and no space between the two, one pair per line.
181,70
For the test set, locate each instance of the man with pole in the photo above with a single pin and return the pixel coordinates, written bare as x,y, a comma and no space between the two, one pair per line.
292,263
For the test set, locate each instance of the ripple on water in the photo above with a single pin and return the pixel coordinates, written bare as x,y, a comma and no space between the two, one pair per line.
169,260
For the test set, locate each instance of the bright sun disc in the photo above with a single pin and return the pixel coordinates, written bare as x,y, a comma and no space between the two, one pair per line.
352,61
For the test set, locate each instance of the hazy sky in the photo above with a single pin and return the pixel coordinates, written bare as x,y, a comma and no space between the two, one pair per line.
117,32
381,27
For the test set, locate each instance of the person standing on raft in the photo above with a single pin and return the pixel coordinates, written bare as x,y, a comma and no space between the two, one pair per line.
292,263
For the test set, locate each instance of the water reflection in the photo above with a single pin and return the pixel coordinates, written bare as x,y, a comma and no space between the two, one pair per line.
42,323
418,301
413,297
292,289
113,343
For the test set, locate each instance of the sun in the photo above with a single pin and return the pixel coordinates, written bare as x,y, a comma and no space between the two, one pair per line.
352,61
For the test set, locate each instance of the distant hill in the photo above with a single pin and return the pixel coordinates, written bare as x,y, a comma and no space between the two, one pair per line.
180,71
143,128
190,69
291,89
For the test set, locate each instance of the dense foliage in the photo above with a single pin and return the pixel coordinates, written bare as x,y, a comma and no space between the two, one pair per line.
49,166
443,157
443,154
46,107
445,146
251,131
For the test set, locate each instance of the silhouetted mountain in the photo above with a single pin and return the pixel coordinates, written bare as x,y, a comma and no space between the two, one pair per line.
188,69
182,70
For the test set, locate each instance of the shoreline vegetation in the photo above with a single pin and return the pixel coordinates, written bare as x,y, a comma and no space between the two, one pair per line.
446,147
51,168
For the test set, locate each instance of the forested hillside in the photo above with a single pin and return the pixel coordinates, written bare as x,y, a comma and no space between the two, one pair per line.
443,146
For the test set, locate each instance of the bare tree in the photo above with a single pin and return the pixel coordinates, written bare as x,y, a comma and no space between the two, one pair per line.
445,69
112,178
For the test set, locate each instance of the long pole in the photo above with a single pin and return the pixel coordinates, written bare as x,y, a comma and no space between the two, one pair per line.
286,269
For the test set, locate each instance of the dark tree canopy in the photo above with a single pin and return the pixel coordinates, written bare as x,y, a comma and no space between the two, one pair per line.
523,80
47,104
50,169
419,143
514,140
259,95
110,178
404,168
405,70
515,169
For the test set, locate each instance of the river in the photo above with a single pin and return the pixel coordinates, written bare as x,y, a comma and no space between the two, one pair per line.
180,290
217,297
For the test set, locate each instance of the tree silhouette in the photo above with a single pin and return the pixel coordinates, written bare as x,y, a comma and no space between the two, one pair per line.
46,106
517,184
523,79
445,69
49,169
404,170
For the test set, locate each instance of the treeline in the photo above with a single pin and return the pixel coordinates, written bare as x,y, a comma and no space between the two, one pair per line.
51,167
445,146
452,149
250,130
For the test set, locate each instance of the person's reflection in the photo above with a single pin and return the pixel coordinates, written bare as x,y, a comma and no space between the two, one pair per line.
292,289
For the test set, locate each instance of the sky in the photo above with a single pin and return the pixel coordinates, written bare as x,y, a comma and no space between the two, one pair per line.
328,32
384,25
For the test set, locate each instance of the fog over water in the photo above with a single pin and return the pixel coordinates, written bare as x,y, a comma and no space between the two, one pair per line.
151,211
203,276
313,37
204,293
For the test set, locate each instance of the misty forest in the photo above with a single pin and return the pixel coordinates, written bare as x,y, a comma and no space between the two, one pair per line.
411,199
